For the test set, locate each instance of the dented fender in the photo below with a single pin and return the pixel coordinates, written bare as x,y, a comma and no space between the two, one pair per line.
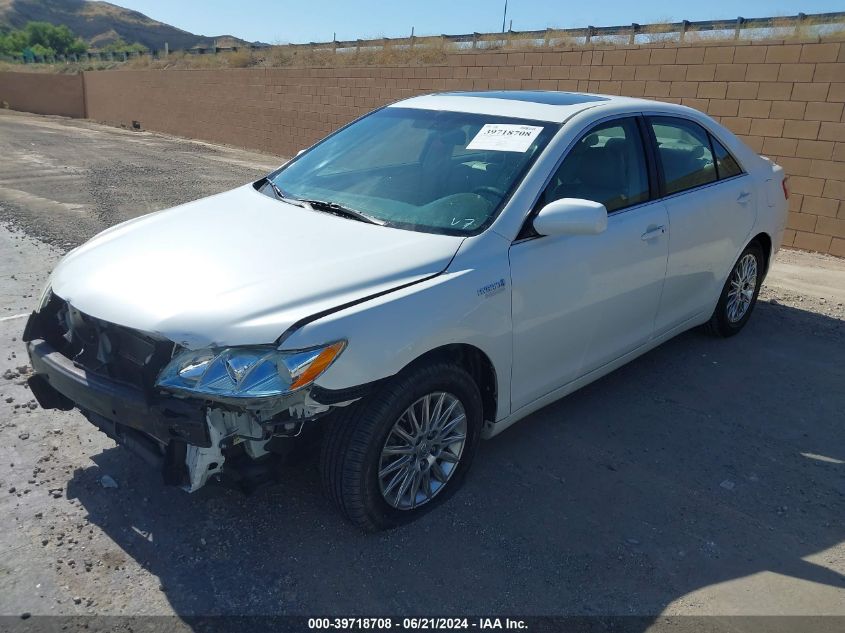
469,303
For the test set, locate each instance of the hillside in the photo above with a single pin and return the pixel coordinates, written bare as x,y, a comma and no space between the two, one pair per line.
100,23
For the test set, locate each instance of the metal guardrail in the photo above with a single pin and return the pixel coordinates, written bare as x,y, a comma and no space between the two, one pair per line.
591,33
625,34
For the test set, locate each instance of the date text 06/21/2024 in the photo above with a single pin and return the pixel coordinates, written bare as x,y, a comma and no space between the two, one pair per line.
381,624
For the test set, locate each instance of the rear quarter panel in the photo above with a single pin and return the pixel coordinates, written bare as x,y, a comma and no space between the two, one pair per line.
773,207
770,204
767,176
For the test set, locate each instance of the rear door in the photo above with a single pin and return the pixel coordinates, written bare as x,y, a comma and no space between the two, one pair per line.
712,207
581,301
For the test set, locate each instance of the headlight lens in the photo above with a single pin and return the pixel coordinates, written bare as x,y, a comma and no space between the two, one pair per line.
44,299
247,372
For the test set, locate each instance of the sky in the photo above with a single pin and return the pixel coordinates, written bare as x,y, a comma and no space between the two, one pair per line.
279,21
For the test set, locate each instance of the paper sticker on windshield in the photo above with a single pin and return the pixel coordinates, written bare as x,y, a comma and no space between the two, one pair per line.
502,137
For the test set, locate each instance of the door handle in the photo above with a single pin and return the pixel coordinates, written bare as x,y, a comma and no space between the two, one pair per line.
652,233
742,198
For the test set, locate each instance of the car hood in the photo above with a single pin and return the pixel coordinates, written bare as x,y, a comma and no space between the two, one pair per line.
239,268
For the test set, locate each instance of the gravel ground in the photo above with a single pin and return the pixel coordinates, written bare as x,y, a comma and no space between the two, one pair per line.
706,477
63,180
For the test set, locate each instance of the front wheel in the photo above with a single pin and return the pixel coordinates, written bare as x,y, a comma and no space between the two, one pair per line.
739,295
397,454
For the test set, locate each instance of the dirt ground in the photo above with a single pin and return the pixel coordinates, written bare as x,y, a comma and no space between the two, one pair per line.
706,477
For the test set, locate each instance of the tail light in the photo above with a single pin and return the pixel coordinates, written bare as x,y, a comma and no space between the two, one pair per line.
785,186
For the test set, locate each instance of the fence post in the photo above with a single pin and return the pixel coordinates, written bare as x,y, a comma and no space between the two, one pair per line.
475,40
634,29
590,31
684,27
739,22
799,23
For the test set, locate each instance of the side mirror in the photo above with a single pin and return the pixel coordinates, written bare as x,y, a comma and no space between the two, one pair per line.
571,216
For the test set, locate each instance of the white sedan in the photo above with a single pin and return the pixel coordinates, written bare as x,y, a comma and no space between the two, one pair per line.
422,278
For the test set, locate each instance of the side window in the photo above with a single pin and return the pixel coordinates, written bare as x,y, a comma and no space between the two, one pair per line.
726,165
684,151
607,165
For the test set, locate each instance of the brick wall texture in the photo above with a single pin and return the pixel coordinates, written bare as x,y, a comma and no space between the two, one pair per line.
43,93
784,99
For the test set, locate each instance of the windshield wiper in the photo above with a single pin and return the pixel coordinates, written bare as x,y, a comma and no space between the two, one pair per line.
322,205
281,195
346,212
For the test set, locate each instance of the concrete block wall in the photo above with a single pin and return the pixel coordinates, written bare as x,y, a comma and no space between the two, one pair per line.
784,98
43,93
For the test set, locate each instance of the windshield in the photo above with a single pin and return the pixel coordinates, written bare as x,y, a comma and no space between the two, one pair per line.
443,172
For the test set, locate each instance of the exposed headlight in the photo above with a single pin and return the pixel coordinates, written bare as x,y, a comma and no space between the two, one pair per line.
44,299
246,372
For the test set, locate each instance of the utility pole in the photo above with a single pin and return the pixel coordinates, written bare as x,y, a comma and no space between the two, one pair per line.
505,16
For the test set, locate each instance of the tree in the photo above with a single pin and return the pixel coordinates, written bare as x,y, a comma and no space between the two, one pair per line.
60,39
121,46
13,43
39,51
43,39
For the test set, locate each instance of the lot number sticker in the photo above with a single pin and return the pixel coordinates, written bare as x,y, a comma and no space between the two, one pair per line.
501,137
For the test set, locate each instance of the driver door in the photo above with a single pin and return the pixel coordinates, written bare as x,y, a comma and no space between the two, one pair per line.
582,301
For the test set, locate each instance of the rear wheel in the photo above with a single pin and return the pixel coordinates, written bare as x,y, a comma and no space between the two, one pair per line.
399,453
739,295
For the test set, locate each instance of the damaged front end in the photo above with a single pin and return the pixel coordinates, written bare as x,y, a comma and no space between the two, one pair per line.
197,415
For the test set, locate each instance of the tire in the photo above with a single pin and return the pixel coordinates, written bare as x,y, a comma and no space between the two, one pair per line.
731,313
353,452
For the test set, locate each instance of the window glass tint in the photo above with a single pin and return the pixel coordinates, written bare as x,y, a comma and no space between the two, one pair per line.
726,165
607,165
421,170
684,149
401,143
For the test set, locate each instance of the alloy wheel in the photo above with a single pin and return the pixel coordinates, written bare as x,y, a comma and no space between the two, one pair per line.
742,287
422,450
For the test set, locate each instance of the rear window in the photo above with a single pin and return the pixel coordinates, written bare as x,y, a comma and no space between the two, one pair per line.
726,165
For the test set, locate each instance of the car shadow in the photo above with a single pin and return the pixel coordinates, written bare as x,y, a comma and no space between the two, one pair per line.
704,462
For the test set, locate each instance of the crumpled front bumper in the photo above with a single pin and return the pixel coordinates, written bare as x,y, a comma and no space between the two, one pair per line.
188,439
164,419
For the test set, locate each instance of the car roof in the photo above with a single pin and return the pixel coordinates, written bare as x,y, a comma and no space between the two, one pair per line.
542,105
